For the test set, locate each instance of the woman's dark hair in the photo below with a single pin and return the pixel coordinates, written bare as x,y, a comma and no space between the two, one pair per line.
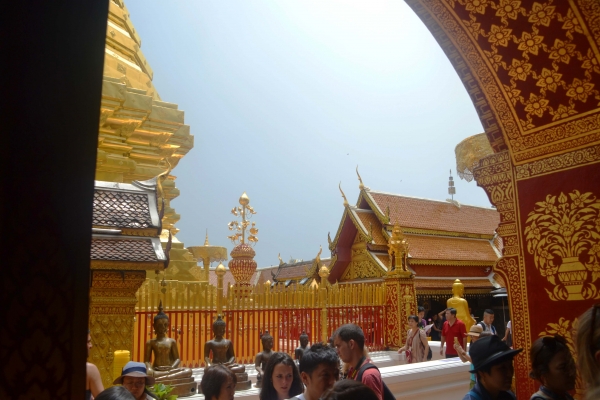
349,389
213,379
268,392
543,351
115,393
414,318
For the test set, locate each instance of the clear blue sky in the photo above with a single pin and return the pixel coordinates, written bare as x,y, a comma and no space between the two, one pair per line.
285,98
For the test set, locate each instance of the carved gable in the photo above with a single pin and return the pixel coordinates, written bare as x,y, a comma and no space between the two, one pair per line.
362,265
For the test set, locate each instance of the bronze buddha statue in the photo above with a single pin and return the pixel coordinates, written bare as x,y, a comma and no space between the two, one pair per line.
260,362
223,353
303,346
165,368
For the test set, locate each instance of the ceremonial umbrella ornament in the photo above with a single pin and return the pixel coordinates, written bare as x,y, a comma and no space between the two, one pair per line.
242,265
208,254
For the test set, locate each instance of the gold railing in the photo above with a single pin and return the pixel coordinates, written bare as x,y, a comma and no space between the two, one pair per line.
249,311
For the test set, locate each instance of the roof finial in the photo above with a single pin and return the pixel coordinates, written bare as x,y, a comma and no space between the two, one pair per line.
343,195
280,259
159,179
361,186
451,188
318,257
206,240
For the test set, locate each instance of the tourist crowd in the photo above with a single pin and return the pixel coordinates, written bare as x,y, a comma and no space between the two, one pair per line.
317,375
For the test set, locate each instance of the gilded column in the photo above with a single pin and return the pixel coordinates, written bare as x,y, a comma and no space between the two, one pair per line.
400,297
220,271
112,313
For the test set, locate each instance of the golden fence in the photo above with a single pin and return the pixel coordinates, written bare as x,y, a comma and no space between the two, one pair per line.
249,311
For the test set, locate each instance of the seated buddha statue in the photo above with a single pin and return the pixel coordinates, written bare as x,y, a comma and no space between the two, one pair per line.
260,362
303,346
166,355
221,348
462,307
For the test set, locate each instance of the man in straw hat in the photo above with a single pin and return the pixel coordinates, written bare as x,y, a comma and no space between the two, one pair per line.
135,379
493,363
474,333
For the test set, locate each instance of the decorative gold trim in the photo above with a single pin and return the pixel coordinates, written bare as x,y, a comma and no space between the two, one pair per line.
336,238
419,231
444,292
127,265
144,232
138,232
577,158
419,261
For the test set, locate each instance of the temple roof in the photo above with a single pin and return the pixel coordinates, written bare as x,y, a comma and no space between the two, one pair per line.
126,248
297,270
126,226
437,215
369,219
119,205
449,248
455,241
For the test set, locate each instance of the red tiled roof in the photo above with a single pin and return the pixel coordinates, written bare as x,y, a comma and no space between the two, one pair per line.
296,271
368,218
137,250
384,258
437,215
262,275
445,248
227,279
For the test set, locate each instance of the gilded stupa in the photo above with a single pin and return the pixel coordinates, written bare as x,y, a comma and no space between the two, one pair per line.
140,136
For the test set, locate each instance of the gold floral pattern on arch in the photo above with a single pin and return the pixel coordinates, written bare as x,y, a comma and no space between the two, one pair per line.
540,51
563,234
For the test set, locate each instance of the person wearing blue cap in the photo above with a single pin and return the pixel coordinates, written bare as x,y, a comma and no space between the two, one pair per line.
135,379
493,363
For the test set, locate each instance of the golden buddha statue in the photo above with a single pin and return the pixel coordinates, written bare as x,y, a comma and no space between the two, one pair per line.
165,368
462,307
222,353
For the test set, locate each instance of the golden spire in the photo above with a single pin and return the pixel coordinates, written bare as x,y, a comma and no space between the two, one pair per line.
361,186
246,212
343,195
280,259
206,240
318,257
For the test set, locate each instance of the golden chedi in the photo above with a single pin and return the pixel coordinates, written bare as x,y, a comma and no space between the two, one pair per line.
462,307
165,368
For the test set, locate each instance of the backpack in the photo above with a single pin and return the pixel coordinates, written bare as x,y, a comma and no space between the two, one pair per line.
482,324
387,393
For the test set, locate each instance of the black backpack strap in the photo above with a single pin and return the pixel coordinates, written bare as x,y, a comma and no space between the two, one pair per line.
362,370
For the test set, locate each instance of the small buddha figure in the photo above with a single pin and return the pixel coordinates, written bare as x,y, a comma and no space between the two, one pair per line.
260,362
166,355
222,349
303,346
460,304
